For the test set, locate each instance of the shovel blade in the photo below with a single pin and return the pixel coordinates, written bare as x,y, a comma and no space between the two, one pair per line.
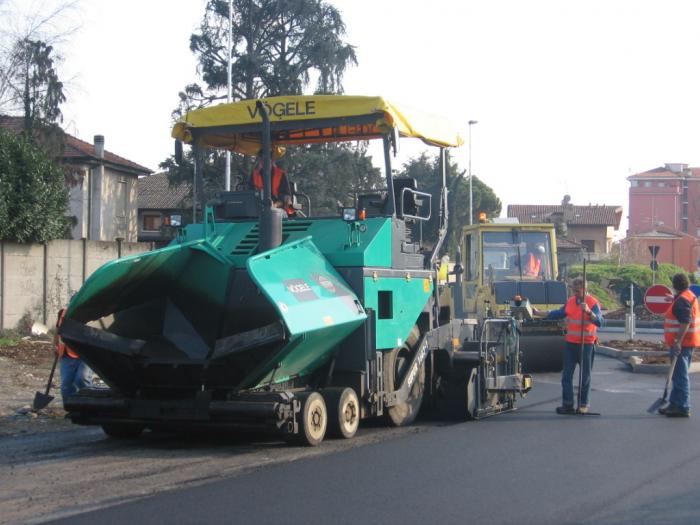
656,405
41,400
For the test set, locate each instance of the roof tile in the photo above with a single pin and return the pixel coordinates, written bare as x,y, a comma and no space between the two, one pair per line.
75,148
598,215
156,193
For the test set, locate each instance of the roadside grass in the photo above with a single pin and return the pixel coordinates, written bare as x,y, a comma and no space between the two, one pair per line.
9,338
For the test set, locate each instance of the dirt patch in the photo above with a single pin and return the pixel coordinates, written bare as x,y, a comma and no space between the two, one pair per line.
24,370
641,346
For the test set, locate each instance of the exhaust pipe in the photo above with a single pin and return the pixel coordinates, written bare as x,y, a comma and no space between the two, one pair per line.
271,217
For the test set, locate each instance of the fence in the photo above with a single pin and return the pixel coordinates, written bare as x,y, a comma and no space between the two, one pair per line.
36,280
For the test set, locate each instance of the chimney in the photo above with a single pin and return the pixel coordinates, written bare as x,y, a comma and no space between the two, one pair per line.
676,167
100,146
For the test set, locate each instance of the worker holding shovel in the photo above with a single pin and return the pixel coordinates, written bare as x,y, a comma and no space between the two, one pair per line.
583,317
681,336
74,373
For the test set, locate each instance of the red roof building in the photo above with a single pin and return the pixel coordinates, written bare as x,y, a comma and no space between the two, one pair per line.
103,192
664,210
592,226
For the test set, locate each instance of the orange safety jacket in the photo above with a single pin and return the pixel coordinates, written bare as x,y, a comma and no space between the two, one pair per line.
61,347
576,321
672,325
277,174
533,266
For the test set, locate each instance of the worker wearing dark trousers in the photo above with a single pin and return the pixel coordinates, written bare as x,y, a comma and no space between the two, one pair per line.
75,374
583,317
682,336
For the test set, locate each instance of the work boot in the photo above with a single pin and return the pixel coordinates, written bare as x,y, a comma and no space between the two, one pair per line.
676,411
583,409
565,410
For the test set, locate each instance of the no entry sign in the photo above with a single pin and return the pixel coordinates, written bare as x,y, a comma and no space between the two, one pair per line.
658,298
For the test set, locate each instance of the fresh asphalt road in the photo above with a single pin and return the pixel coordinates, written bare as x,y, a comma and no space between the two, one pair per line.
529,466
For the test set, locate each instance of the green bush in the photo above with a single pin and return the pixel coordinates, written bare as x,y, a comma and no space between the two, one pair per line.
33,195
607,280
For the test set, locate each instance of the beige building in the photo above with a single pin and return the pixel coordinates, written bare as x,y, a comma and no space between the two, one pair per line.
592,226
103,188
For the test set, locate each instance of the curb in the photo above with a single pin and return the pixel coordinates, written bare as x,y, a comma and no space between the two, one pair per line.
634,360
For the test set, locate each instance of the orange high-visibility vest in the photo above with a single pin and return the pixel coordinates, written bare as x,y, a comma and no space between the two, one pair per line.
533,266
276,179
576,321
672,325
61,347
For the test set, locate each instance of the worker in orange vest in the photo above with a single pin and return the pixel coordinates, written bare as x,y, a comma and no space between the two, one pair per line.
75,374
681,336
281,190
535,262
583,317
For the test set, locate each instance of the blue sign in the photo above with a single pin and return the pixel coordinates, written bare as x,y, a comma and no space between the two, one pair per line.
695,288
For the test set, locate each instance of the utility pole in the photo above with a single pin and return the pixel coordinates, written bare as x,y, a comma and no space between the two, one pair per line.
227,181
471,209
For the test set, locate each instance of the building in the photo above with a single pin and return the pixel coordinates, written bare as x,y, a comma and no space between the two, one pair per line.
592,226
666,197
162,208
102,187
664,211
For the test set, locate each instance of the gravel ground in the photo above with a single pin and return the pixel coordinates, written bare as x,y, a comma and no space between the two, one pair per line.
24,370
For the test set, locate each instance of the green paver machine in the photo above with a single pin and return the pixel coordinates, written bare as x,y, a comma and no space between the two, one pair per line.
259,319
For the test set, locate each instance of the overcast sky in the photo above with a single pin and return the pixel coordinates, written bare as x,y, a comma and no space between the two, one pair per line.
570,96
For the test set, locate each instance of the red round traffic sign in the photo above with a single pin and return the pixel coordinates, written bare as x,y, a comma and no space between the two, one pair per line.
658,298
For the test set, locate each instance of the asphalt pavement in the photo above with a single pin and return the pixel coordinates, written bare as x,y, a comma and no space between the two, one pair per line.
528,466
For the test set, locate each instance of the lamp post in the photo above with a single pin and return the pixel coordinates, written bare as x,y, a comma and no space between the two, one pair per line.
227,173
471,210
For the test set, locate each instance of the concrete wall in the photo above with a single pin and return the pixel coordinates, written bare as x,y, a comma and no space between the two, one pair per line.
36,280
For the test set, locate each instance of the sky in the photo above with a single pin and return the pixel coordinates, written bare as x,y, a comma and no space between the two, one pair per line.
571,97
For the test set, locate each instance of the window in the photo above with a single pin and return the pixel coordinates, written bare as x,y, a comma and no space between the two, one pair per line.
152,223
516,254
589,245
634,183
647,184
662,184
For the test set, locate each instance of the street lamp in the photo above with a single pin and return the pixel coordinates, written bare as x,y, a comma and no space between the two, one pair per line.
471,212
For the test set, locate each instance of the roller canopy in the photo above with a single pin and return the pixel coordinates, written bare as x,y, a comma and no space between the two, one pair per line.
310,119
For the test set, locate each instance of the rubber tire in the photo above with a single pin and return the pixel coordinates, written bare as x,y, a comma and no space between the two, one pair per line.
405,413
343,411
122,430
313,420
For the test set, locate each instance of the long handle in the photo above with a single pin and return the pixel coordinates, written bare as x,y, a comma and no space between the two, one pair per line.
670,375
581,352
53,369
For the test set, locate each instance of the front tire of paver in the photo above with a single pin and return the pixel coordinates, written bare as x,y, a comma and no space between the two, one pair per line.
343,411
122,430
313,419
396,365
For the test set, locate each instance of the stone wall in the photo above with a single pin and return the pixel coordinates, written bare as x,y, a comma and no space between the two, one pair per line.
36,280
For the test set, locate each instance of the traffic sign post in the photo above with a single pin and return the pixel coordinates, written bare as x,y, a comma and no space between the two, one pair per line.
658,299
654,251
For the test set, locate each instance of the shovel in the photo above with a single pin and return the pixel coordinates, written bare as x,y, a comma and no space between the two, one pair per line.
657,404
42,399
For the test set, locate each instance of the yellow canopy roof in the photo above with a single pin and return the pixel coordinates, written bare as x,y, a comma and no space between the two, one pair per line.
307,119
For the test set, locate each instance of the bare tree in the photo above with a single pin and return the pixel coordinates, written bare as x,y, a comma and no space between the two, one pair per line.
46,22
